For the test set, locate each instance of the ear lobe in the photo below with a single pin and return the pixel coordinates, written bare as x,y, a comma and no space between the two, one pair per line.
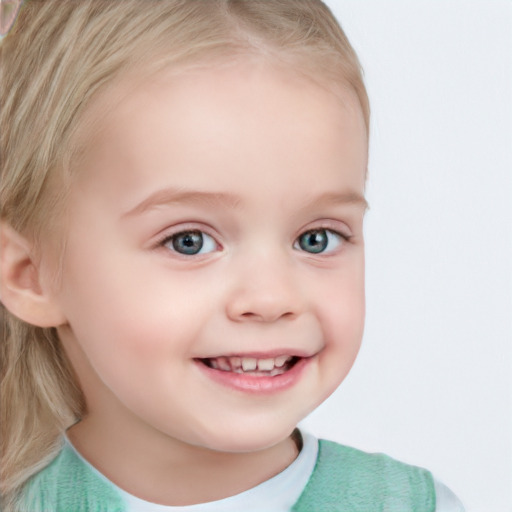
20,282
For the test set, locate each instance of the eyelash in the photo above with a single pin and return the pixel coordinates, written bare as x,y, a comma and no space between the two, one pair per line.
331,234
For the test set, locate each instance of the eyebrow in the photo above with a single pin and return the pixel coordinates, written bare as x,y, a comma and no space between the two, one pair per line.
343,198
175,196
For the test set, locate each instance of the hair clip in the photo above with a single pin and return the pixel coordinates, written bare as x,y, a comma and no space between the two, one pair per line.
8,11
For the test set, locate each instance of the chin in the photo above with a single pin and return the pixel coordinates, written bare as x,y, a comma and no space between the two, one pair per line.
245,440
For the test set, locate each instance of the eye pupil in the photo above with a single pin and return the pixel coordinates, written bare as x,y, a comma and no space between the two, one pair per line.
314,241
190,242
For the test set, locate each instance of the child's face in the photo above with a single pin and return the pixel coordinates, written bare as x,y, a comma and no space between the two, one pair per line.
217,216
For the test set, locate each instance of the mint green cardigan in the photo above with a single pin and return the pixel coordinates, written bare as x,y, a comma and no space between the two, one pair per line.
344,480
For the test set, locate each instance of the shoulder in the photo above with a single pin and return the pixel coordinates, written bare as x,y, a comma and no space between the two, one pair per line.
345,478
68,483
446,500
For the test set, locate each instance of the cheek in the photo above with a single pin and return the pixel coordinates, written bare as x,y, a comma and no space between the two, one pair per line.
343,316
345,298
343,324
127,309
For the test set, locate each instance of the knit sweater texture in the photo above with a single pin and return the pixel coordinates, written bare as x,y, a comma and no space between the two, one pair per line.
344,480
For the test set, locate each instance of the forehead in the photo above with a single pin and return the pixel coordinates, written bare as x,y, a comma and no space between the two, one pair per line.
209,124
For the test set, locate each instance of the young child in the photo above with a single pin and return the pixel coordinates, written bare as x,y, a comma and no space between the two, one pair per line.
182,266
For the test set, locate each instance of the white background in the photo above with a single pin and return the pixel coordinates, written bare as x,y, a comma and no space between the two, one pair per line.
432,385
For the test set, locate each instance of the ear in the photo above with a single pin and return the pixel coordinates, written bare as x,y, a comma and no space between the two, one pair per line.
20,282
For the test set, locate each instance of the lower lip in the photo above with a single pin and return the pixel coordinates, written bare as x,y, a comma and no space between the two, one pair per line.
258,385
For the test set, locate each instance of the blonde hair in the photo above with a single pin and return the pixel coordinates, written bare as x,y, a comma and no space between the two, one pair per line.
59,55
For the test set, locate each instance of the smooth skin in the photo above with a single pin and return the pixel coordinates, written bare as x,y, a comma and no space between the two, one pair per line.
253,159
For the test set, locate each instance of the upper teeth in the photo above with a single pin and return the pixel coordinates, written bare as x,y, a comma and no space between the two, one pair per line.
247,364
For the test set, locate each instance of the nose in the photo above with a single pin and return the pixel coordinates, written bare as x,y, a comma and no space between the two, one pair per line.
265,291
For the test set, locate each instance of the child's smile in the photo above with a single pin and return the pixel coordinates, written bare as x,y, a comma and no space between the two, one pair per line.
213,278
256,373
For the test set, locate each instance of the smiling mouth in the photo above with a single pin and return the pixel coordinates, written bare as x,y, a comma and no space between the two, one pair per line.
263,367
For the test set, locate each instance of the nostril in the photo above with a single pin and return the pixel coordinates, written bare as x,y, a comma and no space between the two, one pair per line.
253,316
266,317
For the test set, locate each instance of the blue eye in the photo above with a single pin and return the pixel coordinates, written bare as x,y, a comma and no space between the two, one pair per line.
190,243
316,241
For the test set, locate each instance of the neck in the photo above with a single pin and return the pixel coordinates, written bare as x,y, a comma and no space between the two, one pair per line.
175,473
